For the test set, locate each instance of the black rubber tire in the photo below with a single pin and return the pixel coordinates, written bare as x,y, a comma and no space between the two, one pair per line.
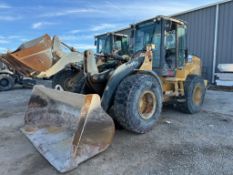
64,76
8,83
188,106
127,99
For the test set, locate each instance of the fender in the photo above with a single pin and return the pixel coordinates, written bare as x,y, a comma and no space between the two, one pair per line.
153,74
6,71
119,74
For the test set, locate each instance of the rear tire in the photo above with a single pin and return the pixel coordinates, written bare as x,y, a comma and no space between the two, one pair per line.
138,103
7,82
69,80
194,88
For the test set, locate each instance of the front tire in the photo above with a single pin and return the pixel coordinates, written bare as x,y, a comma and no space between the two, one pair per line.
7,82
138,103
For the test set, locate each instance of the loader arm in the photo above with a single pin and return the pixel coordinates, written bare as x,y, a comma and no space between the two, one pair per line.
66,59
62,58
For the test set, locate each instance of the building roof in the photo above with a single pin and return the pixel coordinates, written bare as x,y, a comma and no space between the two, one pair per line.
201,7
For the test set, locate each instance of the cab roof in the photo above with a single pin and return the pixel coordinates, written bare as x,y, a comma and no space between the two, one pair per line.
110,33
144,21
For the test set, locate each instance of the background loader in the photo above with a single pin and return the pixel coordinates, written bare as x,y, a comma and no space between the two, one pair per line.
109,48
42,57
68,128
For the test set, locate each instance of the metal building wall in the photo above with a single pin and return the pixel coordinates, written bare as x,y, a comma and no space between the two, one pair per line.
201,35
225,34
201,24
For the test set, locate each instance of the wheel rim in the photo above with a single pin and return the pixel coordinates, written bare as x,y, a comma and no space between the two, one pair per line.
58,87
147,105
4,82
197,95
69,83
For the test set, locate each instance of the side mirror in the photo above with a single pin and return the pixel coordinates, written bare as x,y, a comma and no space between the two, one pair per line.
150,47
95,42
189,58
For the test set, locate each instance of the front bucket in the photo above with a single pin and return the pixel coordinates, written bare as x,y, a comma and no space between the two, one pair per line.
67,128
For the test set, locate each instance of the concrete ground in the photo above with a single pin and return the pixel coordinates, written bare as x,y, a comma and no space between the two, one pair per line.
178,144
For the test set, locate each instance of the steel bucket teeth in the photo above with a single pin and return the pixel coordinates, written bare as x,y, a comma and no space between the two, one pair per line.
67,128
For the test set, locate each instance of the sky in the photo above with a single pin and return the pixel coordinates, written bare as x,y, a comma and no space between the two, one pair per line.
76,22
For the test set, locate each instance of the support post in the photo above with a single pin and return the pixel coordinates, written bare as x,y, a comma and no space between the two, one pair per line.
215,41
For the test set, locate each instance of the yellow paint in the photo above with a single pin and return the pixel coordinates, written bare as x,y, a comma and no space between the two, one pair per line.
147,64
174,86
193,67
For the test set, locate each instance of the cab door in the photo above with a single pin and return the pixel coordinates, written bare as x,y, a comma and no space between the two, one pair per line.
181,45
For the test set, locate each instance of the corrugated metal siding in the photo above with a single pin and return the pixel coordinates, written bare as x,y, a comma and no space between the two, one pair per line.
225,34
201,25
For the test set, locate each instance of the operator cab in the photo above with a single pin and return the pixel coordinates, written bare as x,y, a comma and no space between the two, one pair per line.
168,37
112,43
111,49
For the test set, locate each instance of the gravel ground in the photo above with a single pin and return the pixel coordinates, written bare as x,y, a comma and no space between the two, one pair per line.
178,144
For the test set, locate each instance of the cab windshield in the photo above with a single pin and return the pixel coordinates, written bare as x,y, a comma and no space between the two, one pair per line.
146,34
104,44
112,43
120,44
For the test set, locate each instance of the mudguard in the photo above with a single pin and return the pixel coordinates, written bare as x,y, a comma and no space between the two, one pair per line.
119,74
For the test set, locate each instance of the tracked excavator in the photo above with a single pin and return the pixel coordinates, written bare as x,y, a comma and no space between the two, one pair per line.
68,128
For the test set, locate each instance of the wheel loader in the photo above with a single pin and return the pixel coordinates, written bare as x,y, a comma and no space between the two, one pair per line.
42,57
109,47
68,128
112,44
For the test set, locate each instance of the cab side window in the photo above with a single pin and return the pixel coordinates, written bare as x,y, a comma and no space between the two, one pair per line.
170,45
182,45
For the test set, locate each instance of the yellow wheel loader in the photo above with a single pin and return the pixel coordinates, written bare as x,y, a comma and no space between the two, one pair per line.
42,57
69,128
